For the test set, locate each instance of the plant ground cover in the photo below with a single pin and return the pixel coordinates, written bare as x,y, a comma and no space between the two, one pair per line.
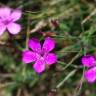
72,24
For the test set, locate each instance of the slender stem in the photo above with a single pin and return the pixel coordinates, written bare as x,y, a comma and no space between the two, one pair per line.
73,59
19,92
28,32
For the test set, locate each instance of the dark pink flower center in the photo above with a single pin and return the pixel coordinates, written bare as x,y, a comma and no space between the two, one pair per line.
42,54
6,22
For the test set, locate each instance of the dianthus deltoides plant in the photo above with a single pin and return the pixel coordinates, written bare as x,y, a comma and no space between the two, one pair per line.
8,18
39,56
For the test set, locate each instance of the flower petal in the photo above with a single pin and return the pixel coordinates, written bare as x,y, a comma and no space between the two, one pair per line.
51,58
28,56
39,66
14,28
48,45
16,15
2,28
90,75
88,60
34,44
5,12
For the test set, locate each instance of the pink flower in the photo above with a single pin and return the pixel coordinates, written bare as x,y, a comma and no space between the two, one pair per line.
40,55
7,20
89,62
